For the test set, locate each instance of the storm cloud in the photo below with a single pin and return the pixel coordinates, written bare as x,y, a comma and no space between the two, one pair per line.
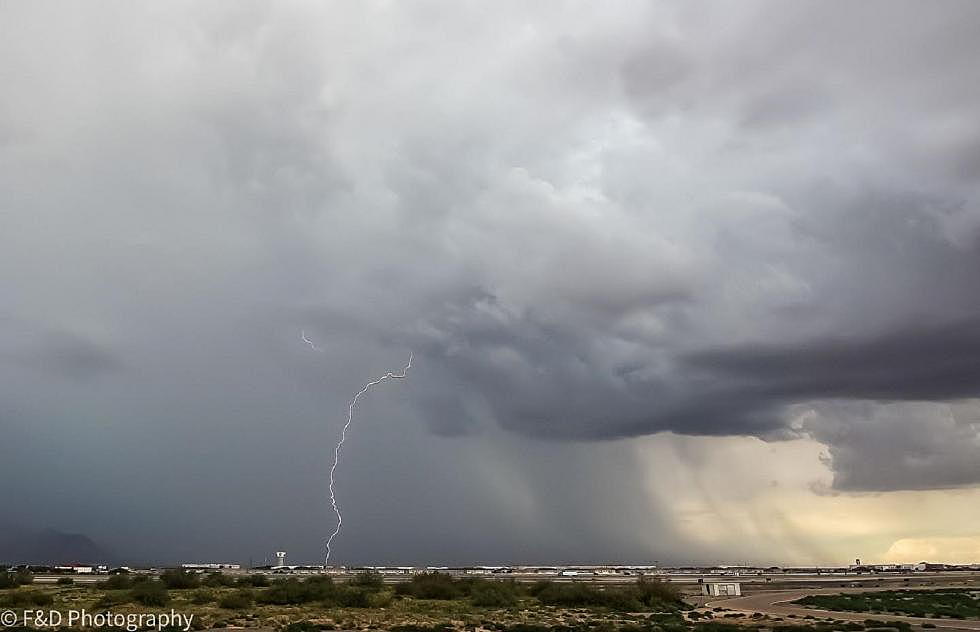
589,224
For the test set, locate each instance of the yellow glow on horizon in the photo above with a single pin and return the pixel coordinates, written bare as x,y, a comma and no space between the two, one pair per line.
961,550
743,499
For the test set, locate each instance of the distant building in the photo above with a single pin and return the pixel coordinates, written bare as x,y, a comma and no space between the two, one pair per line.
75,568
721,589
210,566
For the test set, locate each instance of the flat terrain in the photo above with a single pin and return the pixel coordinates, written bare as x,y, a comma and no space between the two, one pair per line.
782,604
436,602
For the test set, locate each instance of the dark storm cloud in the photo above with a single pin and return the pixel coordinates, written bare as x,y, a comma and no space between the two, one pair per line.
877,447
873,446
588,223
928,362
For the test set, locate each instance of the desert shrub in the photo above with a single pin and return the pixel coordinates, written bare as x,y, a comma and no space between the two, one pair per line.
218,580
655,593
432,585
348,597
65,581
369,580
22,598
621,599
255,581
286,592
493,594
238,600
201,597
643,595
13,580
179,579
381,599
39,598
292,591
150,593
575,595
117,582
571,595
113,598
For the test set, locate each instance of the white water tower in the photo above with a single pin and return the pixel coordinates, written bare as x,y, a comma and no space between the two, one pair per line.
280,558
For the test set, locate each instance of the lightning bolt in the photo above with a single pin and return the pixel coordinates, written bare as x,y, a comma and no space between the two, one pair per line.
343,437
302,334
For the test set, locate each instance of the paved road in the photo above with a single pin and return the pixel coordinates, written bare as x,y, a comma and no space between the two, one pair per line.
777,603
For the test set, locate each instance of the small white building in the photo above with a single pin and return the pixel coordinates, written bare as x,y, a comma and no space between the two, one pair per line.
75,568
210,566
721,589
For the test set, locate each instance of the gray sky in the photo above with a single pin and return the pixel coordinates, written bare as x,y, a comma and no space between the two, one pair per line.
628,245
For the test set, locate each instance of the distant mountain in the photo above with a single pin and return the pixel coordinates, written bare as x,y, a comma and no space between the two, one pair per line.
20,545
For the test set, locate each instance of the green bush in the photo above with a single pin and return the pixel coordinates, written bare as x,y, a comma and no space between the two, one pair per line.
201,597
23,598
219,580
117,582
114,598
348,597
369,580
432,585
65,581
150,593
238,600
571,595
951,602
493,594
655,593
255,581
643,595
179,579
13,580
292,591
